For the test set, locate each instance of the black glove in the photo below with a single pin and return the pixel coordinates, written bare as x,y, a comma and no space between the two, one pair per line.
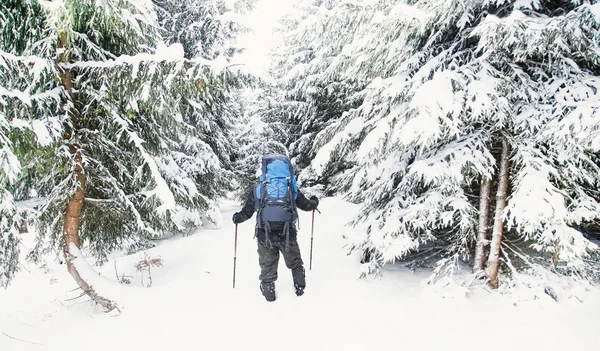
315,200
236,218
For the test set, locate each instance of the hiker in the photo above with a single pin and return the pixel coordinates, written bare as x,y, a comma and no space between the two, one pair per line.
275,198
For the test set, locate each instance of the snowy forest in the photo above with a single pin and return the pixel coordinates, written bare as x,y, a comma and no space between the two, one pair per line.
466,131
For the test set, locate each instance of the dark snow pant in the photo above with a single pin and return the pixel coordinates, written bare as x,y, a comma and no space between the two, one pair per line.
268,259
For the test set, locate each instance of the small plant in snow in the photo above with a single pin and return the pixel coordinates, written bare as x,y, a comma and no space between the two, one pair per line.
145,264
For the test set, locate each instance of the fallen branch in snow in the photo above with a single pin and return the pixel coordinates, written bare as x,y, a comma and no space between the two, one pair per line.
29,342
478,276
25,268
77,297
508,261
123,279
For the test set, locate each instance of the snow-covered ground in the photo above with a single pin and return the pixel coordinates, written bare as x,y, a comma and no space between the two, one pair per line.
192,305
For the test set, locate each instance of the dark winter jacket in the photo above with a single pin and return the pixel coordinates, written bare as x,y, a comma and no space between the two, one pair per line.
276,229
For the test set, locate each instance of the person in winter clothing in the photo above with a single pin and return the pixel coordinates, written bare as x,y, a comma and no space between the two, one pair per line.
274,238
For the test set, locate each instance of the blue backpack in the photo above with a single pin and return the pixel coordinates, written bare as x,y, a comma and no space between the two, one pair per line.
276,194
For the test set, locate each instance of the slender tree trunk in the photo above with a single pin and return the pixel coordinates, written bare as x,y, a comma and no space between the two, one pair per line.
484,222
75,204
501,195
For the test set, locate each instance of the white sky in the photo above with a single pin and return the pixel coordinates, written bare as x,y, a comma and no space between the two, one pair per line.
262,21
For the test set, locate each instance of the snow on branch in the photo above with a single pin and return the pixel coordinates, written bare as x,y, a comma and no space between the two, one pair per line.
579,113
10,165
10,169
535,201
10,238
449,162
162,190
409,204
27,99
541,211
172,54
116,188
325,153
39,63
408,221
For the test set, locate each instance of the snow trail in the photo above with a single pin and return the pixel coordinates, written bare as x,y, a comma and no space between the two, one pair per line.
191,304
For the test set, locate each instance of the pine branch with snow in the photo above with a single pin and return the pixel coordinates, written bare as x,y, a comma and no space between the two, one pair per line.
28,118
204,28
446,82
158,148
313,91
554,133
259,133
9,217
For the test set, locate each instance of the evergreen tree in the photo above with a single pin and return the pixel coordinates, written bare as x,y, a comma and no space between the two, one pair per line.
259,133
450,80
10,169
28,121
313,90
554,125
419,136
206,28
9,242
131,150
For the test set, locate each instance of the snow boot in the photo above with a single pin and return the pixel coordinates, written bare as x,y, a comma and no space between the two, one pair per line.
298,275
268,290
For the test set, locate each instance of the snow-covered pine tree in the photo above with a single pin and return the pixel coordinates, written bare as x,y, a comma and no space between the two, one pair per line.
10,239
448,82
31,137
208,30
10,169
27,121
259,134
126,160
418,140
555,134
309,92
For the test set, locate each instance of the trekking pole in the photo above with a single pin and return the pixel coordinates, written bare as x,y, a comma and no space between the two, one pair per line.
312,231
235,254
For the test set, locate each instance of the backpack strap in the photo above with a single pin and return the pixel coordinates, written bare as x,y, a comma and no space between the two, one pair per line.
293,196
261,200
258,206
264,168
293,182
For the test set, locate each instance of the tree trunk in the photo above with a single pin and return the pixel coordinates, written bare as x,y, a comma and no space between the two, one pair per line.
501,195
75,204
484,222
